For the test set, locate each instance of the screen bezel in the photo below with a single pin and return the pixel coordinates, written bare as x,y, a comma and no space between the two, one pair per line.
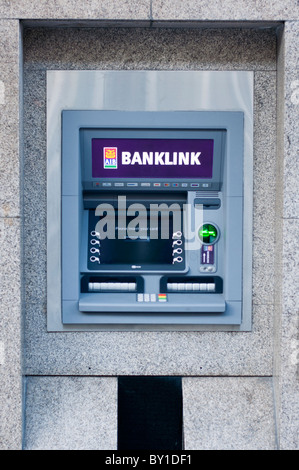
119,242
88,134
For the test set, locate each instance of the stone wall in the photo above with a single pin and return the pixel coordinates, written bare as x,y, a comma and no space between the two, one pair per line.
239,388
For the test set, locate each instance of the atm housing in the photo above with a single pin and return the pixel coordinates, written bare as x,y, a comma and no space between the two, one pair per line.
193,276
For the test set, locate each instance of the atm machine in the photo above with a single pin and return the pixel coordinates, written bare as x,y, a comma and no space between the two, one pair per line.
152,217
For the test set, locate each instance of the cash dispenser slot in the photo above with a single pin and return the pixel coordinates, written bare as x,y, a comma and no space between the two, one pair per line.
192,285
206,292
121,284
109,293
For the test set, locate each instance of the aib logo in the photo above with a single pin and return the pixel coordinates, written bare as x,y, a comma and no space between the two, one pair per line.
110,157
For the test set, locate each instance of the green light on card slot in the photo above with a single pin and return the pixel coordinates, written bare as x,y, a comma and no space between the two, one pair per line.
208,233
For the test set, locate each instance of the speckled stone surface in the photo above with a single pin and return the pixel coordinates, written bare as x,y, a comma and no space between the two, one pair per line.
71,413
149,353
10,240
291,123
286,319
228,413
70,9
218,10
166,353
156,10
9,119
150,49
116,353
10,335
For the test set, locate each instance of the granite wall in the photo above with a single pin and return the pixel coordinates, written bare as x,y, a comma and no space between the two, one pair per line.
240,389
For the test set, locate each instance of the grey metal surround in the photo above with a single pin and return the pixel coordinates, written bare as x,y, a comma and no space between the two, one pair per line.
142,91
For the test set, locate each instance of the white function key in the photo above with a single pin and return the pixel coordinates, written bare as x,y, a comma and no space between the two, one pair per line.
132,286
211,287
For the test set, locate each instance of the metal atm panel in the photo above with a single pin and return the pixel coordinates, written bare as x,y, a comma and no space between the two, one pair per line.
120,168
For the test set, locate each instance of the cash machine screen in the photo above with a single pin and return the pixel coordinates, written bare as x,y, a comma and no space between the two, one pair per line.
148,245
152,158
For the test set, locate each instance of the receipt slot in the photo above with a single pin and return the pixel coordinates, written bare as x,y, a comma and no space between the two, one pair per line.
152,218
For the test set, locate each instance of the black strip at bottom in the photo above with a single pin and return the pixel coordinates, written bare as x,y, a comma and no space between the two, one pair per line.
150,413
